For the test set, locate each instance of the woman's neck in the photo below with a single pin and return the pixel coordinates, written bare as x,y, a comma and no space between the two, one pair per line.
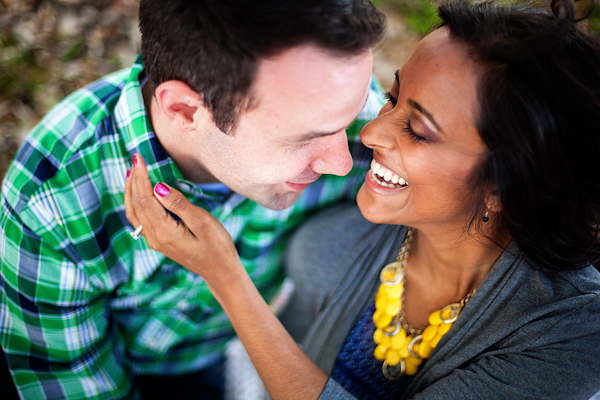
444,268
454,261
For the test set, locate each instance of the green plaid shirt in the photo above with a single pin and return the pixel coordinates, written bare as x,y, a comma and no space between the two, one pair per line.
83,306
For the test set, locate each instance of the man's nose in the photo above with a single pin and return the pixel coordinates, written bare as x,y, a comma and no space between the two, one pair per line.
333,156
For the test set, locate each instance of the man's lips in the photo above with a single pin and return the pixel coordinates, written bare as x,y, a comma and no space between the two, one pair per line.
300,186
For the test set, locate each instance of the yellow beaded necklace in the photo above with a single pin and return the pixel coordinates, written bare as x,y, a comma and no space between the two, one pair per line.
400,346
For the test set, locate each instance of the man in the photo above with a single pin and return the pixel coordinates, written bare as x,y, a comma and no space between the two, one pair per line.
240,105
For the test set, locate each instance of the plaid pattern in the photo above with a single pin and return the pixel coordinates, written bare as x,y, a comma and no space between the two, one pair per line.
84,306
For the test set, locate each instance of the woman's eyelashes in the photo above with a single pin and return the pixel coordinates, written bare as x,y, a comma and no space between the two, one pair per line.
391,99
407,128
406,125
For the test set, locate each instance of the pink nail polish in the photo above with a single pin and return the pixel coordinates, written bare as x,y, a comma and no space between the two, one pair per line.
161,190
128,173
134,161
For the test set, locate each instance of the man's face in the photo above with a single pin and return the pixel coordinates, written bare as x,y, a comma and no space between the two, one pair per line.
303,100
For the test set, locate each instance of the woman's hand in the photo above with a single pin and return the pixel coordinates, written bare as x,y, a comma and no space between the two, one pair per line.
198,242
201,244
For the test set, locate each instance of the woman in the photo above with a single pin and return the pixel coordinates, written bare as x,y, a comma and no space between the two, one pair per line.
487,150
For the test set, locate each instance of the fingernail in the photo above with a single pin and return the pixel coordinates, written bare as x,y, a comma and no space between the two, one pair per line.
134,161
128,173
161,190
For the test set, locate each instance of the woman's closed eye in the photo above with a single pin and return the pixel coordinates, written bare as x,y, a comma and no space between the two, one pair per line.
406,125
407,128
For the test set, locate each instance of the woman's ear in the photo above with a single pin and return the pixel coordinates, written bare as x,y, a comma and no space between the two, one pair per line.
493,201
181,106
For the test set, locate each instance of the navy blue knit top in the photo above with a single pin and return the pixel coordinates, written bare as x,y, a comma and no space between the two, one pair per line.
358,371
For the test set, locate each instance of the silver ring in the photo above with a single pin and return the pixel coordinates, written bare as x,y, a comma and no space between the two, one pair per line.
136,234
393,328
396,268
417,339
393,373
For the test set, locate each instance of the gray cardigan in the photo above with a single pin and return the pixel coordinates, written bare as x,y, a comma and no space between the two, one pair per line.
526,334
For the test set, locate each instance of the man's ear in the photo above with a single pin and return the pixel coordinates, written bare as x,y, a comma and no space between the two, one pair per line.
182,107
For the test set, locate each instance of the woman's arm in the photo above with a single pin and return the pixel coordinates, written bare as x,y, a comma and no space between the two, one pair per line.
201,244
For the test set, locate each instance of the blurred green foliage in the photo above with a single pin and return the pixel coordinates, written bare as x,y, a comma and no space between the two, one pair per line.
421,15
49,48
422,19
19,74
595,19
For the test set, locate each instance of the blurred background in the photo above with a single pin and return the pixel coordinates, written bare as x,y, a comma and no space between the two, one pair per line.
49,48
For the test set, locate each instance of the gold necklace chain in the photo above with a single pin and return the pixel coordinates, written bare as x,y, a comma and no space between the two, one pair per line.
400,346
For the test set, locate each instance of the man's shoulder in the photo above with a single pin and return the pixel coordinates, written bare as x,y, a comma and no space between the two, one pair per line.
99,95
75,119
64,147
68,129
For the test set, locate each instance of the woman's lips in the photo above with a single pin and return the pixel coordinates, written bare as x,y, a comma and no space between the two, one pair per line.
386,177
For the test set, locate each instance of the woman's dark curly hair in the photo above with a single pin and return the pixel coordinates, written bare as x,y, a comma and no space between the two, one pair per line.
539,117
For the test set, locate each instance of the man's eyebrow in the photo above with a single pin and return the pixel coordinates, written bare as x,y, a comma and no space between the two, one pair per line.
426,113
314,134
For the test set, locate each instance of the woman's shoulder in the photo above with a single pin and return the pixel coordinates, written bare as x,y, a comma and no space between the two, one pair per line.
330,234
542,283
576,286
529,296
581,293
533,307
585,280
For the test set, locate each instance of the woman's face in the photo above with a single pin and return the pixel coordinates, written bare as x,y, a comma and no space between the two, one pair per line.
424,140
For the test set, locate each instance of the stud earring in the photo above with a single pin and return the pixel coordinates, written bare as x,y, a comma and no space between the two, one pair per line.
485,217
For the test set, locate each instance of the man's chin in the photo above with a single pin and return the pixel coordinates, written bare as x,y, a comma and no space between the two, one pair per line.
280,201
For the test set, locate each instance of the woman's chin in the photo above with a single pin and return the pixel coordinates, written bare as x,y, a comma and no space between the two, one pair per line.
371,209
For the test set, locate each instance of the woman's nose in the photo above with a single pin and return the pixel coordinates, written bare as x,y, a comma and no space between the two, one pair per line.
378,134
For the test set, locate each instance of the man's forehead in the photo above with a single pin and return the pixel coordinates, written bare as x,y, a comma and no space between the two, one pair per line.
303,101
309,62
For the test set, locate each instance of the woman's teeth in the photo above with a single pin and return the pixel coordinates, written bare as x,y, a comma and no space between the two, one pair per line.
386,177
